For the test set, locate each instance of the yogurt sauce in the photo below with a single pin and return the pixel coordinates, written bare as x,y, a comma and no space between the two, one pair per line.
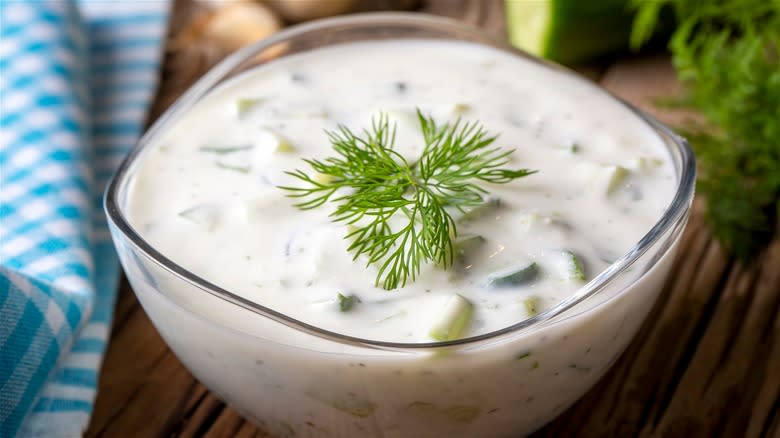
206,193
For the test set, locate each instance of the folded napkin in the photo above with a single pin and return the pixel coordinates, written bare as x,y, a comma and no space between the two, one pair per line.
76,80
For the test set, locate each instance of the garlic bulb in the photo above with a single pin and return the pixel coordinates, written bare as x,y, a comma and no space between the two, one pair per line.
230,26
302,10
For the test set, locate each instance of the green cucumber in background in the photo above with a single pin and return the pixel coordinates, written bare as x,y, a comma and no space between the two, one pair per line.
569,31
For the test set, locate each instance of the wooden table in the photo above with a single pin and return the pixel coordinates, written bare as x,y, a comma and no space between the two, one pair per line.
706,362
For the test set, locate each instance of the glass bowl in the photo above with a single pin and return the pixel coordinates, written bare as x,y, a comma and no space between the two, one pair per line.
294,379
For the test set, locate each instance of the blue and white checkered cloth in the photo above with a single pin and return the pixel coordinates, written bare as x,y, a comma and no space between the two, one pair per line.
76,80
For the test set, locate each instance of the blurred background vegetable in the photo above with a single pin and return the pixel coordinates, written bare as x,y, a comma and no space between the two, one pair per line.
727,54
569,31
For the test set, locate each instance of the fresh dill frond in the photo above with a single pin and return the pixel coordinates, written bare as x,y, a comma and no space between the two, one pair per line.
373,186
727,54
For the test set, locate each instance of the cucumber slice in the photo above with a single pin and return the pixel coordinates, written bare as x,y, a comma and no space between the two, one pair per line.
488,205
247,104
453,320
206,215
514,277
465,246
531,305
611,178
575,268
270,139
569,31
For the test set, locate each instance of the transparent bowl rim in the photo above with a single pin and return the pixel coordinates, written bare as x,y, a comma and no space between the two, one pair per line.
674,215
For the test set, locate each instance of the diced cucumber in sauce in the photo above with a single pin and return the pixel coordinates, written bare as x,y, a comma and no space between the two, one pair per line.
206,215
460,108
489,205
570,266
465,247
645,164
269,139
531,222
514,277
532,305
611,177
453,320
245,105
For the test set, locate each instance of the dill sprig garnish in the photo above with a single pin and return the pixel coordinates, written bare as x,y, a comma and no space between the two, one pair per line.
727,54
373,186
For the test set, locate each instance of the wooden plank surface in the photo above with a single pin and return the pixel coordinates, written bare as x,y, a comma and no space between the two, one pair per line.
706,362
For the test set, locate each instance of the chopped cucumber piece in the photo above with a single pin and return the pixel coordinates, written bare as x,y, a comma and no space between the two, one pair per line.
453,320
611,178
247,104
575,269
531,305
514,277
269,139
284,147
466,246
347,301
461,108
222,150
533,222
488,205
206,215
645,164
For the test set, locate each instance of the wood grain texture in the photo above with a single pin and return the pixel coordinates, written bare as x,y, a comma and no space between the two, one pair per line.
705,363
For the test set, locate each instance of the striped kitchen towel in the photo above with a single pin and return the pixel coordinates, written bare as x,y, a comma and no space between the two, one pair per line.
76,80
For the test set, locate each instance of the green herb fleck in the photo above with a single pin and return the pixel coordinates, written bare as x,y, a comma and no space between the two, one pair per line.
347,301
240,169
222,150
523,355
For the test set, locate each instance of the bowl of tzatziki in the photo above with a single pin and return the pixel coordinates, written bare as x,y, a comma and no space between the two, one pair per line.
394,225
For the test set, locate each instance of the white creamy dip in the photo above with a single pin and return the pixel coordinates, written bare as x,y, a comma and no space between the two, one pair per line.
206,193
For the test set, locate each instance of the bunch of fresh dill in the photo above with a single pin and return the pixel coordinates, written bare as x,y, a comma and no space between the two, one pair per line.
727,54
373,186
